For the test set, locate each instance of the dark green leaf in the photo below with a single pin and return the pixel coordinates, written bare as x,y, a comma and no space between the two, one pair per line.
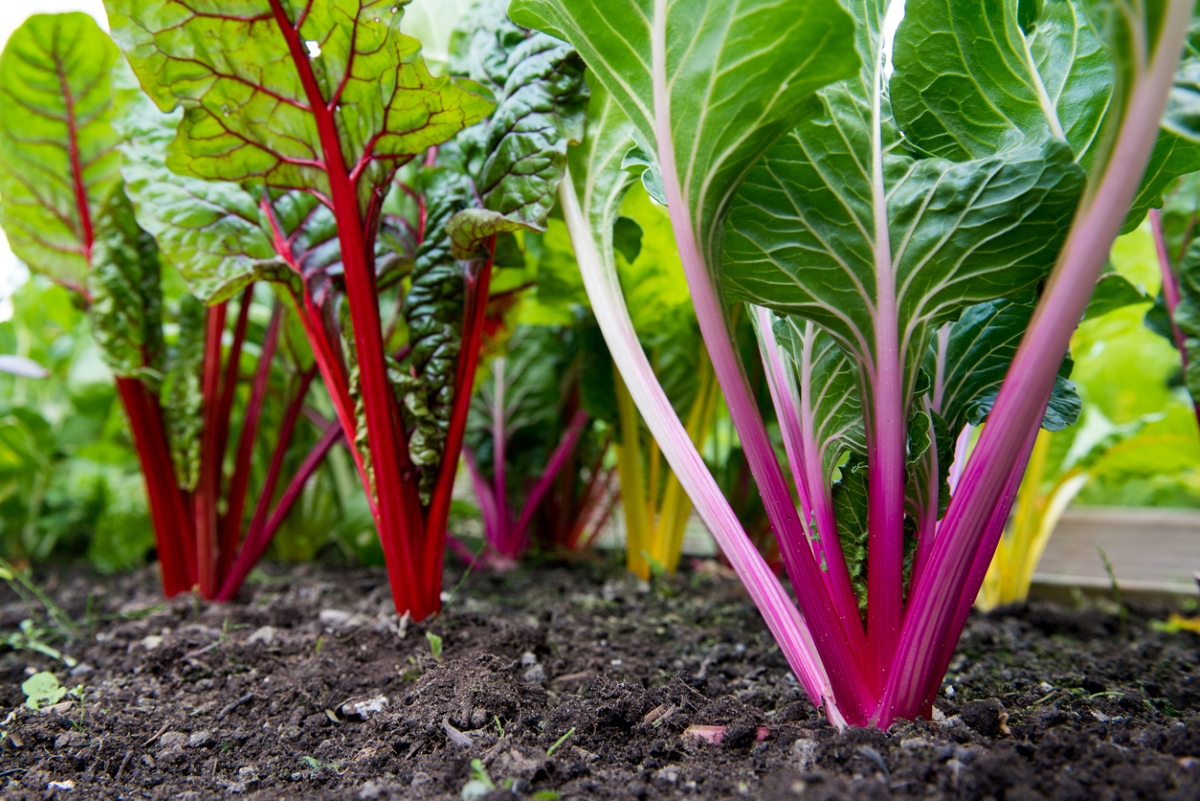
850,502
627,238
126,309
1113,291
182,399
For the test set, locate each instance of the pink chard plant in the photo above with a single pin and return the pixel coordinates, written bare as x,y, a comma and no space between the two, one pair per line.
67,213
306,144
916,248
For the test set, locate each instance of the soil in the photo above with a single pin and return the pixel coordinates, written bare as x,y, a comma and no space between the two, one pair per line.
568,682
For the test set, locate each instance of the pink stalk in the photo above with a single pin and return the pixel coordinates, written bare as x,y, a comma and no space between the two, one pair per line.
1171,294
936,607
493,524
886,422
554,466
506,543
789,629
844,671
794,407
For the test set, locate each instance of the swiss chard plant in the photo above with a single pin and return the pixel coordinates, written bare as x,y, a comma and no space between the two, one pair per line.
526,431
67,216
327,158
916,249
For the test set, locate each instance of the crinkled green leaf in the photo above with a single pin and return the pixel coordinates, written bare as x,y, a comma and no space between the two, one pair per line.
126,308
969,360
58,158
736,72
930,454
970,77
482,42
209,230
1183,105
833,400
850,501
247,117
541,111
182,398
844,228
1187,315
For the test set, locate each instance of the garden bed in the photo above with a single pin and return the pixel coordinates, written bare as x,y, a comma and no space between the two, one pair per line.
308,688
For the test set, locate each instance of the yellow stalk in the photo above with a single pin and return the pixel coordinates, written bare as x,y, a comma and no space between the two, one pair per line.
676,505
633,487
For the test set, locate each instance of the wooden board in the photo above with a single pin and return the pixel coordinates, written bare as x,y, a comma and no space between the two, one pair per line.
1151,550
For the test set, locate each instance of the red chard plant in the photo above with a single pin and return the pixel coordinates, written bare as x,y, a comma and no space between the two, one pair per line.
288,123
68,216
916,249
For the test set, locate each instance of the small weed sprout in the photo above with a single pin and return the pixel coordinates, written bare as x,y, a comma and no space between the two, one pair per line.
558,743
435,646
42,690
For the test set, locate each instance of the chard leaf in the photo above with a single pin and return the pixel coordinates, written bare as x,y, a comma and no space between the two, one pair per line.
971,75
735,73
1187,315
182,398
969,359
126,308
930,454
1113,291
512,164
209,230
828,384
58,157
838,225
850,503
541,111
246,116
1183,107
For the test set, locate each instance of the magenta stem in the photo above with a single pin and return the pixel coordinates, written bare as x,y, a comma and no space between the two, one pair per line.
1171,295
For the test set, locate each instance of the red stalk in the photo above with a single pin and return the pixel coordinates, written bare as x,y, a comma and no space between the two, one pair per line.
231,523
468,361
399,509
168,510
208,489
259,535
227,535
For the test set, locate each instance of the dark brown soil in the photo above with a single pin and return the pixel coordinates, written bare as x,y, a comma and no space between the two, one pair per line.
281,696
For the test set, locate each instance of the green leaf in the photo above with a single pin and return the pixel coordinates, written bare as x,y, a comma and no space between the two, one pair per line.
126,309
58,158
246,115
1113,291
833,399
971,76
735,73
209,230
850,501
182,398
930,453
42,690
1187,315
541,112
838,225
970,358
1183,106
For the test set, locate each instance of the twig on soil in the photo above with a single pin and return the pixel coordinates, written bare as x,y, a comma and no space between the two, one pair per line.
230,707
157,734
124,762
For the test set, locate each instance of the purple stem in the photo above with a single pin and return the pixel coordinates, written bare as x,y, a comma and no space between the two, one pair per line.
506,542
1171,294
561,454
936,607
493,524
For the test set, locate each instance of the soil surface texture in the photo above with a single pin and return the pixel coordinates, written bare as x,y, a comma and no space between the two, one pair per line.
564,682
